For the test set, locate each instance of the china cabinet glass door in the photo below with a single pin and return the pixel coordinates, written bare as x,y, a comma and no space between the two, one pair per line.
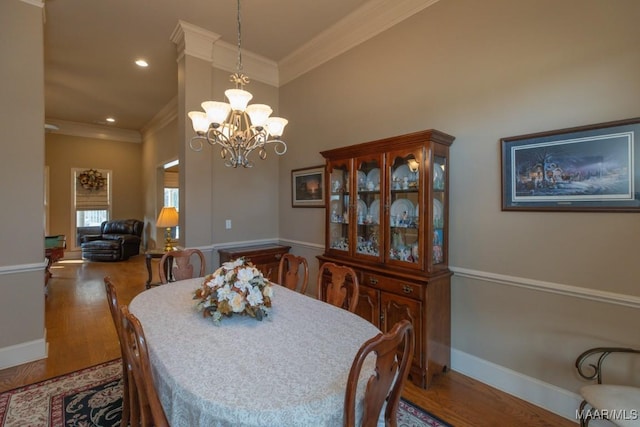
439,214
405,188
338,219
368,206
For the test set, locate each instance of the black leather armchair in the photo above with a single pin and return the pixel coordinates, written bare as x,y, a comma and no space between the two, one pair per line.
118,240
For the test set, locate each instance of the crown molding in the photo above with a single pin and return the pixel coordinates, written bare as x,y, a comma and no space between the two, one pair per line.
37,3
203,44
256,67
94,131
194,41
366,22
166,115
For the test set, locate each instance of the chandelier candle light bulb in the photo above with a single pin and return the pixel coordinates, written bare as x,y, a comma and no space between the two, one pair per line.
239,128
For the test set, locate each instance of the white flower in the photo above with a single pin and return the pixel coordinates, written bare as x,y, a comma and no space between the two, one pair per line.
217,281
255,296
245,275
230,265
225,293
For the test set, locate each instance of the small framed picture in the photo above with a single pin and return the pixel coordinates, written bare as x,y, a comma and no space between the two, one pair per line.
307,187
587,168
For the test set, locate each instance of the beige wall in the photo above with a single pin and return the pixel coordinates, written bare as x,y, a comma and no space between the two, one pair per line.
63,153
21,184
482,71
159,147
211,193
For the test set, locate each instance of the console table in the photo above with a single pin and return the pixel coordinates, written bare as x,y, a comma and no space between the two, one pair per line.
265,257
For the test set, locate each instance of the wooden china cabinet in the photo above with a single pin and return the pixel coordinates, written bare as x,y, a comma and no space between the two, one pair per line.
387,218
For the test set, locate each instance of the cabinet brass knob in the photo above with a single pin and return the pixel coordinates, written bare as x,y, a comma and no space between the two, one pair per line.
373,280
278,256
407,289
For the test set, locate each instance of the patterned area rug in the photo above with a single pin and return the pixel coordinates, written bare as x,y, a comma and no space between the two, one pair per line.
92,397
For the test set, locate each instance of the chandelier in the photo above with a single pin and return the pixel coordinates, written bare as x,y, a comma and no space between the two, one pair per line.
238,128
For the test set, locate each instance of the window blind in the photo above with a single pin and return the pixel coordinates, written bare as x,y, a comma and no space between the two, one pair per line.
92,189
171,179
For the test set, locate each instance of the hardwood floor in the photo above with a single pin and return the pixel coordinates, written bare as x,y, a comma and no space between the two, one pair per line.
80,333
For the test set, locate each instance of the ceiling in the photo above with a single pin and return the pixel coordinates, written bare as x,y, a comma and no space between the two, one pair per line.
90,47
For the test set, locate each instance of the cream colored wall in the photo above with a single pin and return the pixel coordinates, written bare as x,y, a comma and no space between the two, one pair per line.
159,147
482,71
64,152
22,326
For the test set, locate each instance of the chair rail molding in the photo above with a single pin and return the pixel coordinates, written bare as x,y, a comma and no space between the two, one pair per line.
550,287
22,268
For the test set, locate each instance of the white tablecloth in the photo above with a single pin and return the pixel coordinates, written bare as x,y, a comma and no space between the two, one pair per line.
288,371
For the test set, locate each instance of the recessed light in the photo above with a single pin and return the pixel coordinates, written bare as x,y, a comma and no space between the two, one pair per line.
142,63
110,119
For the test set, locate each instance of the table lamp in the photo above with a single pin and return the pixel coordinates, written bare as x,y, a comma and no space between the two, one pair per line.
168,218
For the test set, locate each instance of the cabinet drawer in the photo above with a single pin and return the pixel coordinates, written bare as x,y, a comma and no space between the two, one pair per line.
400,287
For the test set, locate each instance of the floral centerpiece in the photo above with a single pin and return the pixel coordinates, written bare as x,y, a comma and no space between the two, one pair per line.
236,287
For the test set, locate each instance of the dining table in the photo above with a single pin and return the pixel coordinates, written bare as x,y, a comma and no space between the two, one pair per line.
289,369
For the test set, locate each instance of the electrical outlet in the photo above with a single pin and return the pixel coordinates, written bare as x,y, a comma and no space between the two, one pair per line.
227,224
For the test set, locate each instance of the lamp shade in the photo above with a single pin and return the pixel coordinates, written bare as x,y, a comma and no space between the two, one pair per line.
216,112
238,98
258,113
168,217
275,126
199,121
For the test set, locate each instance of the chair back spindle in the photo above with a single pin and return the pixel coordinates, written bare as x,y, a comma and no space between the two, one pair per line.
342,289
179,266
289,274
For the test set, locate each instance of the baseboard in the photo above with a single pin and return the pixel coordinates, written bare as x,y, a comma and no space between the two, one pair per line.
552,398
18,354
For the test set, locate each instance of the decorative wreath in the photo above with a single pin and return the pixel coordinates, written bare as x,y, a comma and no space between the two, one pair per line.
91,179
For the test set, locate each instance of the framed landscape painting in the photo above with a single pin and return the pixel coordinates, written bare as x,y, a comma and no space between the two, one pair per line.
587,168
307,187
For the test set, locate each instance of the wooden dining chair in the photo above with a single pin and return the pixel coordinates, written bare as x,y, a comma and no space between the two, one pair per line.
342,289
178,263
289,272
146,400
114,308
394,351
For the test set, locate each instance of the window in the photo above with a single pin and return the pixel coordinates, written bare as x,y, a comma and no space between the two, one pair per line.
91,202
